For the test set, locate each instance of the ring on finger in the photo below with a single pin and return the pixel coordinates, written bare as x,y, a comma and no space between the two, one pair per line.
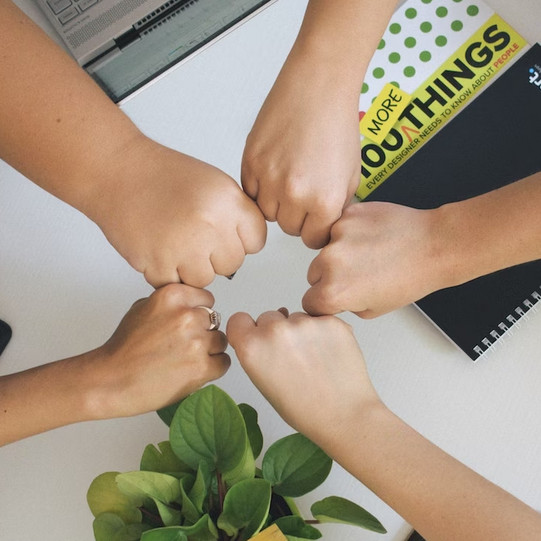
214,317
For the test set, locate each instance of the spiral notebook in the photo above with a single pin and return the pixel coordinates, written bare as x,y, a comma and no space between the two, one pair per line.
492,142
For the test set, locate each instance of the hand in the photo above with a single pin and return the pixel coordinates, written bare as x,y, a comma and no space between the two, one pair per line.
176,218
302,158
161,352
310,369
381,256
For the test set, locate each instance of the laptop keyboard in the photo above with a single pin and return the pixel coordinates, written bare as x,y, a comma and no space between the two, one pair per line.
66,10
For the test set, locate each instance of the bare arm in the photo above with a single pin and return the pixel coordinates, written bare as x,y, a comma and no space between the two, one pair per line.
60,130
61,125
473,230
328,396
302,158
161,351
383,256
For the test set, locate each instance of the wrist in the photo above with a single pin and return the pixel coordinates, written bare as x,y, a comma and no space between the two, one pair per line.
464,243
343,38
359,419
114,179
94,391
313,58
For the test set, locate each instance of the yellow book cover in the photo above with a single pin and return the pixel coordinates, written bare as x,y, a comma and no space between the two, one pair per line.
434,58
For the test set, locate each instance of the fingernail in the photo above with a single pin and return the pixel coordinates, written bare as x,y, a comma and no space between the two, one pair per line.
230,277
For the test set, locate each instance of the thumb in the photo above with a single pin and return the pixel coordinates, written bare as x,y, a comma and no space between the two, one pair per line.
239,326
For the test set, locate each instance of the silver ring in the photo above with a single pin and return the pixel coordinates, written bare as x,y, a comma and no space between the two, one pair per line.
214,317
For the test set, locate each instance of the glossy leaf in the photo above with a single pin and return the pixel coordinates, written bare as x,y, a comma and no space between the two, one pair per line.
246,507
296,527
103,496
167,413
336,509
189,510
204,530
142,484
199,491
294,466
162,460
253,429
170,516
171,533
110,527
245,469
208,426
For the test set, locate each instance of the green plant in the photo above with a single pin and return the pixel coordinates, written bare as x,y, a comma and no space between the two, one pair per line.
203,484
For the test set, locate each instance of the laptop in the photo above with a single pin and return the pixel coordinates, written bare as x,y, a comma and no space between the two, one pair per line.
125,44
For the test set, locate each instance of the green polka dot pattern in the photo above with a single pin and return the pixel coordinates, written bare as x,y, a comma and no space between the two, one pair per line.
421,36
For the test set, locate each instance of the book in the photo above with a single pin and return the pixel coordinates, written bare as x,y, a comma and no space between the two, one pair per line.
494,141
433,59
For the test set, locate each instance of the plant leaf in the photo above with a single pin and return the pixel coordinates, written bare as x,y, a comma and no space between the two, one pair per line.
189,510
336,509
171,533
103,496
246,507
295,526
245,469
167,413
253,429
208,426
294,466
169,515
199,491
142,484
292,506
162,460
110,527
204,530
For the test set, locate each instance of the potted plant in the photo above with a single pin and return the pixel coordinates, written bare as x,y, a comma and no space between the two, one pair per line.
203,483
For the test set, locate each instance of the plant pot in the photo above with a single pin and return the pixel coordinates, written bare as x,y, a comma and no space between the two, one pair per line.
272,533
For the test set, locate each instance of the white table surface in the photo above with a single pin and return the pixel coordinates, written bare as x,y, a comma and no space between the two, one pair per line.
64,289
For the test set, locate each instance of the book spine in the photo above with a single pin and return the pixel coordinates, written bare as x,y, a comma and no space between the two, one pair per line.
504,328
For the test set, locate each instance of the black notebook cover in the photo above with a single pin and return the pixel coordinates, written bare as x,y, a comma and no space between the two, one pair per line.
494,141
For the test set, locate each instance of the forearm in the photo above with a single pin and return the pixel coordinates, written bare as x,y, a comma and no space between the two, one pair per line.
47,397
341,36
59,128
493,231
440,497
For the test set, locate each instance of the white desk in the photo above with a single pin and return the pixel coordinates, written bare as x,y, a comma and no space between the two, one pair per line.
64,290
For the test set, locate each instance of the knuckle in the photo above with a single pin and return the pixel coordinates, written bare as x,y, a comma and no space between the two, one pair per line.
337,258
329,299
199,276
187,326
247,349
328,205
212,367
367,314
170,294
295,187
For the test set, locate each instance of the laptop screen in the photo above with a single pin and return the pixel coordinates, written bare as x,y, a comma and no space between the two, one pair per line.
166,42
